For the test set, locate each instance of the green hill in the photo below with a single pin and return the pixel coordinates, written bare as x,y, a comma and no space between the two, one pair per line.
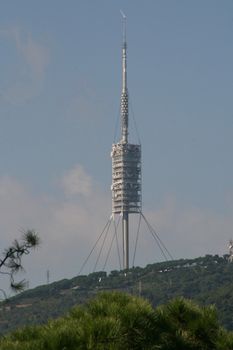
206,280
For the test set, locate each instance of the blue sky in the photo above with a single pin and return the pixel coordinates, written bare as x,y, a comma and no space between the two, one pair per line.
59,101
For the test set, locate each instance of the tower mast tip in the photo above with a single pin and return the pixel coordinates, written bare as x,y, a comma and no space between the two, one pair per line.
122,14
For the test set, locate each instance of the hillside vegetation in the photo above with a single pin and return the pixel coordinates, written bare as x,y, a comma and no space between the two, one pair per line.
206,280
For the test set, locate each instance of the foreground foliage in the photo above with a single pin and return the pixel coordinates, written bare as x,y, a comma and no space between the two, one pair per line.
11,262
117,321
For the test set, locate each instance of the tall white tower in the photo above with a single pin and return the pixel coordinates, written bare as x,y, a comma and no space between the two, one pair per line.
126,165
126,185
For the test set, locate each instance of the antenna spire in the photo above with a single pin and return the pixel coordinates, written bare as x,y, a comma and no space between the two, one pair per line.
124,93
124,26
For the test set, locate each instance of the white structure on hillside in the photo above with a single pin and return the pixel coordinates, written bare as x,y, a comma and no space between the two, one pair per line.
230,247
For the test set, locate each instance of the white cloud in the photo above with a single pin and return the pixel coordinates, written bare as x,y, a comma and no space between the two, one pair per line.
69,227
77,182
33,58
35,54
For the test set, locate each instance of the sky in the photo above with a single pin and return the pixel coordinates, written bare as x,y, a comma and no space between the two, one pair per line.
60,92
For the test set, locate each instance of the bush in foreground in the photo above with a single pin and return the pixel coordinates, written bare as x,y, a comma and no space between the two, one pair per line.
117,321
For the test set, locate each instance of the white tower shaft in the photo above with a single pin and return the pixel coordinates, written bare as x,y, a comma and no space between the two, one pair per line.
124,132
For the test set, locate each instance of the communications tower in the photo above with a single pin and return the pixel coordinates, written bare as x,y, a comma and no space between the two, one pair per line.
126,188
126,165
